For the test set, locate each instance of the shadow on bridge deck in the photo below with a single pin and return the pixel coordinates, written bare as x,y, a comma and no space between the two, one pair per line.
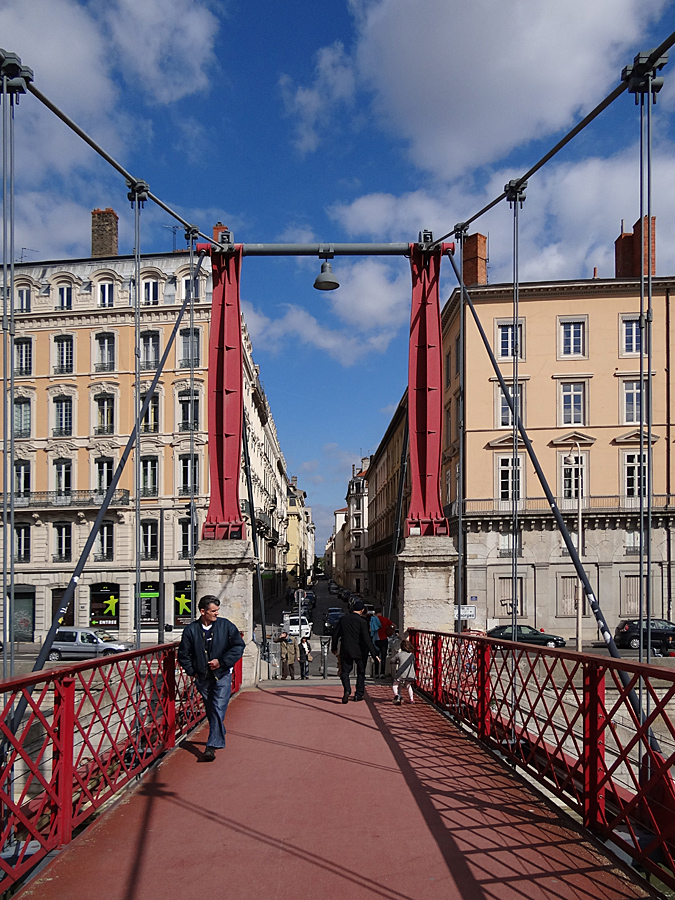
313,798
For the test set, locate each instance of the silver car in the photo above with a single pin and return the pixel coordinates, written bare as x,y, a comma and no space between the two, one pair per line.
85,643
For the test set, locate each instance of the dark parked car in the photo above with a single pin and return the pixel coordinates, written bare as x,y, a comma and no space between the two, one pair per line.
526,634
333,617
627,634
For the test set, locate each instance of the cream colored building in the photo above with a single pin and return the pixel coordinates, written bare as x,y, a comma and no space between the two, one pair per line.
356,530
74,410
578,381
300,559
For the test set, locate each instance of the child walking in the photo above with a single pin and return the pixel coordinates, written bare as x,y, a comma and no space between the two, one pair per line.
404,676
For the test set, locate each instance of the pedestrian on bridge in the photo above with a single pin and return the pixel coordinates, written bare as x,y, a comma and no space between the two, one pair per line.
353,637
290,654
208,650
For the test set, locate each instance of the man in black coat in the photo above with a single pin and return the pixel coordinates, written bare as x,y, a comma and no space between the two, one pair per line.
353,637
208,649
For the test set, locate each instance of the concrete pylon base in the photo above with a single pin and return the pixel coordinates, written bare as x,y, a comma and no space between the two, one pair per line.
426,570
225,569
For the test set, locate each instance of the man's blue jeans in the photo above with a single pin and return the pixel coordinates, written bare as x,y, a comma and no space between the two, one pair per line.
216,695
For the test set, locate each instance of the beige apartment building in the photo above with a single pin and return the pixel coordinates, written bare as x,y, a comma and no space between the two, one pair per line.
578,383
356,530
300,560
74,407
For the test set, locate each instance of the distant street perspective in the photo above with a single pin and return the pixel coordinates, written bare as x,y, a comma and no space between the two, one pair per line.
336,445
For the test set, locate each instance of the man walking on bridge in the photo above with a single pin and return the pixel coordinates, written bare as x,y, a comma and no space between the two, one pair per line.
208,649
353,637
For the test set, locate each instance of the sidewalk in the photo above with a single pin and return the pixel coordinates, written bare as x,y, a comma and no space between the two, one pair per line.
403,806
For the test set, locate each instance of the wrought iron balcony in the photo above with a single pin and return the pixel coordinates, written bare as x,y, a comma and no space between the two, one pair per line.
63,370
104,366
104,556
615,503
104,429
188,426
22,557
186,363
22,432
41,499
62,557
149,555
148,365
185,554
23,371
149,427
63,431
63,307
149,491
185,490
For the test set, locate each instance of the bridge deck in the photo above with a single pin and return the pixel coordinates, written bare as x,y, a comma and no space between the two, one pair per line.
313,798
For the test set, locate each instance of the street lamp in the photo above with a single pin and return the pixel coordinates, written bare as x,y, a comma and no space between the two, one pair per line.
569,461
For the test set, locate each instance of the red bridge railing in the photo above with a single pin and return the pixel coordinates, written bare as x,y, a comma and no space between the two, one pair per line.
88,730
566,718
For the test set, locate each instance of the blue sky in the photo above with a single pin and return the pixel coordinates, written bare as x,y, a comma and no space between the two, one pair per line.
351,120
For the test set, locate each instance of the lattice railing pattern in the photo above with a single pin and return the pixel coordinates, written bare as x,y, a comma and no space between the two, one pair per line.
596,731
87,730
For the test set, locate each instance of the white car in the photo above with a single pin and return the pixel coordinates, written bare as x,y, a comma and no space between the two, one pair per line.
292,626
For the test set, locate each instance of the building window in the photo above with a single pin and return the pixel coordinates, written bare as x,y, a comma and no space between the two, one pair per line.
457,355
150,292
149,476
22,478
189,348
63,416
65,300
572,338
105,294
188,539
448,371
357,562
506,544
573,476
186,288
22,418
62,542
22,300
23,356
149,532
505,344
104,474
63,470
505,416
448,424
357,521
189,411
105,352
189,474
150,421
105,414
632,402
573,403
635,475
631,543
64,354
149,350
567,596
630,596
509,480
104,550
22,543
357,541
505,597
631,339
357,503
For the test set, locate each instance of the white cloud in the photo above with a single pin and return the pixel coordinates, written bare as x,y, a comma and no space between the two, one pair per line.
373,294
314,106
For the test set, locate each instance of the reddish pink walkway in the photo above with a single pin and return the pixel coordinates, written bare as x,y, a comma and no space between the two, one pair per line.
313,799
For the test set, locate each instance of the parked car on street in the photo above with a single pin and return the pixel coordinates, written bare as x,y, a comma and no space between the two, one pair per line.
293,629
86,643
332,618
627,634
333,588
526,634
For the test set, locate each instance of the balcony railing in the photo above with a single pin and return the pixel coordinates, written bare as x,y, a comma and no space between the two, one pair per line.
37,499
149,555
104,429
149,491
63,370
185,554
149,427
62,431
22,432
188,426
23,371
22,557
186,363
148,365
104,366
104,556
185,490
62,557
614,503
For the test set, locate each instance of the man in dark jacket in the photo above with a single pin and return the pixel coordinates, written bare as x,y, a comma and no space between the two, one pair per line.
208,649
353,637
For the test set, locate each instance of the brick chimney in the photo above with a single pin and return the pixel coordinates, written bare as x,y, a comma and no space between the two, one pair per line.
103,232
474,266
628,250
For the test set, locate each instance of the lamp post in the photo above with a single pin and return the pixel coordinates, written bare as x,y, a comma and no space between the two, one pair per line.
569,460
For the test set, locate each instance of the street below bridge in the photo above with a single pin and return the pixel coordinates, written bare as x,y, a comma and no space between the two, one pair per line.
312,798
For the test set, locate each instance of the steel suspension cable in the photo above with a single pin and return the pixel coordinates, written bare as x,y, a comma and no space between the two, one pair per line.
516,476
7,349
593,602
12,538
663,47
137,408
192,419
650,397
462,575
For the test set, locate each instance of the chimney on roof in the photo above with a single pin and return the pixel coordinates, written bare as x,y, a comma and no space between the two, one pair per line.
103,232
474,262
628,249
294,480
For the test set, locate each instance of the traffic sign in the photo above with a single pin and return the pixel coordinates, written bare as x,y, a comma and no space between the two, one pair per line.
467,612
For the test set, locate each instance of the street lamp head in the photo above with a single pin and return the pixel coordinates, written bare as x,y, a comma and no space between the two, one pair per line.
326,280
